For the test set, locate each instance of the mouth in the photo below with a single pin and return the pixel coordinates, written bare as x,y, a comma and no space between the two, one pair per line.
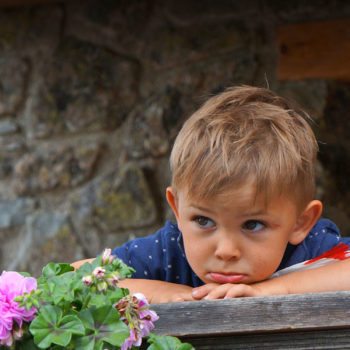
223,278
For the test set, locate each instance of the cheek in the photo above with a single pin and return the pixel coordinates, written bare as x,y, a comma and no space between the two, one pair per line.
266,260
197,250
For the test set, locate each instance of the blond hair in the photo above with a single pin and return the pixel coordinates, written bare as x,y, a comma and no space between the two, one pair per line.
245,133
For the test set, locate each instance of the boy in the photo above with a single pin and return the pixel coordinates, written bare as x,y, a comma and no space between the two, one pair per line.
243,196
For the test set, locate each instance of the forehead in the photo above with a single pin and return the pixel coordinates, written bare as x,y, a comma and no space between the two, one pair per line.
244,197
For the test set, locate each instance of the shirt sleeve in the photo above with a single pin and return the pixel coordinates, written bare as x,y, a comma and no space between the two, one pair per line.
324,236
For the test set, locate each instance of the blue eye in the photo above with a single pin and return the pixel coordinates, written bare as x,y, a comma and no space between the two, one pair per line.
204,222
253,226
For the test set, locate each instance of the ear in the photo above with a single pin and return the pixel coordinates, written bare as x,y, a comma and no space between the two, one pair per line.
306,220
172,201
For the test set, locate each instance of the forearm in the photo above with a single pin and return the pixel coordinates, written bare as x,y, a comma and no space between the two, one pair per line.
332,277
158,291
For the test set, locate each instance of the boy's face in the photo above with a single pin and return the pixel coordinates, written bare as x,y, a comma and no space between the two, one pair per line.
236,238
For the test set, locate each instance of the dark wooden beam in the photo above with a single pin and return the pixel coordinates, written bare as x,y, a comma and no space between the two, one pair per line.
314,50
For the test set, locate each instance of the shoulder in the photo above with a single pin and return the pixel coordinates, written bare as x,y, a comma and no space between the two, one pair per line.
323,236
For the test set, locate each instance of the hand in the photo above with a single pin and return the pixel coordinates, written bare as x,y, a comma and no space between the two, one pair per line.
222,291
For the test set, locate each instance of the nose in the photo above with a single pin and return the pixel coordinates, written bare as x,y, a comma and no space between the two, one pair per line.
227,247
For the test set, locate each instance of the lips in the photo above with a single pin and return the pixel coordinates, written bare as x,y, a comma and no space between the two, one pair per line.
225,277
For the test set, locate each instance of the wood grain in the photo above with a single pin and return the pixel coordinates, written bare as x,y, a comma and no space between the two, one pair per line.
314,50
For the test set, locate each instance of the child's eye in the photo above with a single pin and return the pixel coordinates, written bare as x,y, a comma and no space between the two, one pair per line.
204,222
253,226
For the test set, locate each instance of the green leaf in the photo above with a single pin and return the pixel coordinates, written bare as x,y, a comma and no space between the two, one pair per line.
53,269
58,288
49,327
111,297
125,271
85,269
103,325
167,343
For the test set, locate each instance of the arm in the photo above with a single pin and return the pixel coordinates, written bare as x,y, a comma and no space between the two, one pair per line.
158,292
332,277
155,291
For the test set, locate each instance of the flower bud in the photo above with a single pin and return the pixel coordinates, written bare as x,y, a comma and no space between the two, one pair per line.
107,258
113,279
87,280
99,272
102,286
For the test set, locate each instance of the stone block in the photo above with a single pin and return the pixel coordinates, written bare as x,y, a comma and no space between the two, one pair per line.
21,30
146,132
46,236
14,212
55,168
13,79
115,202
83,88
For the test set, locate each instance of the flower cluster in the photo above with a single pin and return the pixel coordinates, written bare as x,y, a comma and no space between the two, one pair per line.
100,279
12,315
77,309
135,312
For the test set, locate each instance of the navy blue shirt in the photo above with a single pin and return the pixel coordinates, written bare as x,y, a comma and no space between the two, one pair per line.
161,256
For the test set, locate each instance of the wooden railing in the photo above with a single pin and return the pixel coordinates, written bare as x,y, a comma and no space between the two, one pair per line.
309,321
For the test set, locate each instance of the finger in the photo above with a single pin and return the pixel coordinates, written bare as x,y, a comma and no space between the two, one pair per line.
201,292
219,292
183,297
240,290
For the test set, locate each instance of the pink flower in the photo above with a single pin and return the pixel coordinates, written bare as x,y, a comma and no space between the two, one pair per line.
12,285
132,340
134,311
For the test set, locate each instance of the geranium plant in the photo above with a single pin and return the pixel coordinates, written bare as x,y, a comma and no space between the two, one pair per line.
81,309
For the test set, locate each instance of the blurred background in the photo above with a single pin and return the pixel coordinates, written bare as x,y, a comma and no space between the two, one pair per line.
92,94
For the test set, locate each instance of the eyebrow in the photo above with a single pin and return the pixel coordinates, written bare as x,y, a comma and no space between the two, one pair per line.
201,208
255,213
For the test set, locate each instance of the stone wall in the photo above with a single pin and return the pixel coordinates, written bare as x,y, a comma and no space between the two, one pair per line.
93,93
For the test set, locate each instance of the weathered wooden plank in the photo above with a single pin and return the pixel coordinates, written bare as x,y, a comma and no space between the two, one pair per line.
314,50
322,311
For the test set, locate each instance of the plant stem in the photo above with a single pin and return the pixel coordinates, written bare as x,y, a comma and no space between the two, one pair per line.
86,301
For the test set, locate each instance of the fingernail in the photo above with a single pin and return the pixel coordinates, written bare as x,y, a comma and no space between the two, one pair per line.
194,292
